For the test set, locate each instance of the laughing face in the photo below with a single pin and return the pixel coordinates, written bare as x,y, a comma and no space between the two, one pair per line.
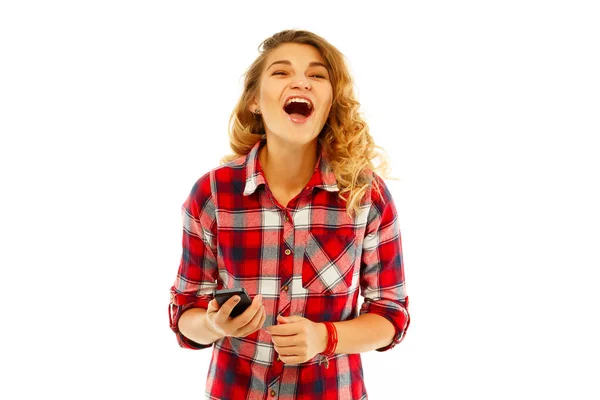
295,93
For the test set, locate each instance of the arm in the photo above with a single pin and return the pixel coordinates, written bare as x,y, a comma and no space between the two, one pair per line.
384,315
364,333
197,274
192,325
382,269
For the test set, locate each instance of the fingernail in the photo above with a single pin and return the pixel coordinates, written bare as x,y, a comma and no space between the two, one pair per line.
236,299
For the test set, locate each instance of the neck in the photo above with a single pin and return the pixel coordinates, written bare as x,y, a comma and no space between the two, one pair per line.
288,167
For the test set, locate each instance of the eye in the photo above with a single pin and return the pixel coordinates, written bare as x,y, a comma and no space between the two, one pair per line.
283,73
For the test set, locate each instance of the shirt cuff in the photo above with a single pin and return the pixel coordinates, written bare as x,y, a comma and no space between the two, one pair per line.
399,318
178,305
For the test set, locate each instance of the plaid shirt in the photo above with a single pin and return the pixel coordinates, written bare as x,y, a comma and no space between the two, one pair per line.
308,258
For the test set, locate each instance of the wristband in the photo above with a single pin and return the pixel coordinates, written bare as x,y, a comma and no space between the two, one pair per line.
332,339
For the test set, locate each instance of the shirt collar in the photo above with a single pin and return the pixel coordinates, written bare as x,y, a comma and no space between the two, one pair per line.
323,177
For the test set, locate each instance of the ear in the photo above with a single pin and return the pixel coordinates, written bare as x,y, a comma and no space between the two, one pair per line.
253,106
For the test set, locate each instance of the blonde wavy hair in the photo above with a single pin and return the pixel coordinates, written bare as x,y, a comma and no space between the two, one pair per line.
345,136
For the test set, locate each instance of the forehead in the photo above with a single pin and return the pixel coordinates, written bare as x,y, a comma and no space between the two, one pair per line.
301,54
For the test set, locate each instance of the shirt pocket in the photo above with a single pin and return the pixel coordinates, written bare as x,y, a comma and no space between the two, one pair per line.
328,262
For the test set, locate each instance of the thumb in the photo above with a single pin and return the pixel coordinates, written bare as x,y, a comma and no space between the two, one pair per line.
213,304
281,318
291,318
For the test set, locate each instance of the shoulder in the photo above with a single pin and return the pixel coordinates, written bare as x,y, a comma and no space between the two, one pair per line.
219,179
201,189
229,177
200,195
380,193
382,209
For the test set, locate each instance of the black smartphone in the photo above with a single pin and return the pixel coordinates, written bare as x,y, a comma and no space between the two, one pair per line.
224,294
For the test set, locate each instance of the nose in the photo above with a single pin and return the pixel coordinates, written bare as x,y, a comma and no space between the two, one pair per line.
300,82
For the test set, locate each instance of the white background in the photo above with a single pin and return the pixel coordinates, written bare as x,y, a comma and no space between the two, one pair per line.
109,112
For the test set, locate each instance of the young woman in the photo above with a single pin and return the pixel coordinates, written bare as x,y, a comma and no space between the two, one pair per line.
300,220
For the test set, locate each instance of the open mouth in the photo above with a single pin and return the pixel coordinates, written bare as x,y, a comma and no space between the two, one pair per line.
298,111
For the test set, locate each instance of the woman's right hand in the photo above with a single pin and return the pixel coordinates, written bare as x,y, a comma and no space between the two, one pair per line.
252,319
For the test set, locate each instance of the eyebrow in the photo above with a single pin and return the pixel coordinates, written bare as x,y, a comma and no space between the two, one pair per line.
312,64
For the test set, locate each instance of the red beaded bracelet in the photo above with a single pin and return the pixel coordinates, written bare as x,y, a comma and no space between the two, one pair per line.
332,339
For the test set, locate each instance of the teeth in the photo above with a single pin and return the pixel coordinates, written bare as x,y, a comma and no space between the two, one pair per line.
299,100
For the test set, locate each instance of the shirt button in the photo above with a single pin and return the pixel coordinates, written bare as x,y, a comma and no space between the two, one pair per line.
286,288
273,393
288,252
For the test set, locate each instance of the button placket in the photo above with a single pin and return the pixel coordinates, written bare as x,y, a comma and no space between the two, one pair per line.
287,253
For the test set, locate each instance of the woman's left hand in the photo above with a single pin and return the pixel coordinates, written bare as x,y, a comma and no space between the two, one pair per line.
297,339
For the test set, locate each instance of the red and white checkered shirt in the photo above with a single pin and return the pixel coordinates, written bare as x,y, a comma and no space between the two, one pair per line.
308,259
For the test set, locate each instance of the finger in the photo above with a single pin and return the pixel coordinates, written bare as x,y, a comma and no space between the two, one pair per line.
291,318
213,313
213,306
262,319
284,341
287,350
247,316
259,320
226,309
290,359
256,323
285,329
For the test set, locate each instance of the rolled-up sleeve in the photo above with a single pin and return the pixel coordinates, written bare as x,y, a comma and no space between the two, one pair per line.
382,267
197,274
